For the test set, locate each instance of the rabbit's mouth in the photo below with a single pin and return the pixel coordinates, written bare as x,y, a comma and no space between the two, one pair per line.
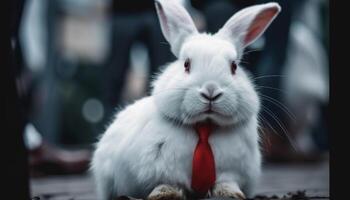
213,116
209,111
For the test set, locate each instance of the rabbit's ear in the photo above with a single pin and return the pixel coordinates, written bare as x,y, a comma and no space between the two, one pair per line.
244,27
175,22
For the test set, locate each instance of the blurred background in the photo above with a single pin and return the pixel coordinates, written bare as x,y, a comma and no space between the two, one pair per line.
82,60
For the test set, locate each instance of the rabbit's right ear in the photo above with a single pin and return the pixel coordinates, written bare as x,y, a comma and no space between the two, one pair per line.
175,22
247,25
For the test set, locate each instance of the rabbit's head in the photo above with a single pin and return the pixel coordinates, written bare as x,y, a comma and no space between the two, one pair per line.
207,82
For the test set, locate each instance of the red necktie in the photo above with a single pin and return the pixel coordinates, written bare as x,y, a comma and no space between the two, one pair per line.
203,164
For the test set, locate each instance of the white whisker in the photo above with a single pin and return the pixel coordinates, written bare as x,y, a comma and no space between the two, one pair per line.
280,105
268,111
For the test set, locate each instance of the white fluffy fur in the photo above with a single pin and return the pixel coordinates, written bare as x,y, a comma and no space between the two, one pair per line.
151,141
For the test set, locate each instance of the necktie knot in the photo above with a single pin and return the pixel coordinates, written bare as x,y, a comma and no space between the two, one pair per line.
203,130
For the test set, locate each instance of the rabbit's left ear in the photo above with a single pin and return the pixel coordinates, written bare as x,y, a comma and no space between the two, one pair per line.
247,25
175,22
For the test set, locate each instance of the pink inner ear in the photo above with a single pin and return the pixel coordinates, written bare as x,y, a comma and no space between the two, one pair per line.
259,24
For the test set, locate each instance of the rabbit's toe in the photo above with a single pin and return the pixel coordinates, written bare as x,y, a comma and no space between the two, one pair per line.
166,192
228,190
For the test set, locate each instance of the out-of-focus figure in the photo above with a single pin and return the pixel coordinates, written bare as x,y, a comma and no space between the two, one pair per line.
131,22
39,36
307,77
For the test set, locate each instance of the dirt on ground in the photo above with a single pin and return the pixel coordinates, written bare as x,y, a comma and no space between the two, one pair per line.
298,195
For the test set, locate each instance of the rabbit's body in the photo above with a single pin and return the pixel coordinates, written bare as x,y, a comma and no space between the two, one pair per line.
155,151
148,150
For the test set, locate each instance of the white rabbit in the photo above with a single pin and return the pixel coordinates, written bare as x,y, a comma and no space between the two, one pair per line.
147,151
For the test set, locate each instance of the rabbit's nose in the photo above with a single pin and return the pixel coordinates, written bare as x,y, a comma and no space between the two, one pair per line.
211,91
209,97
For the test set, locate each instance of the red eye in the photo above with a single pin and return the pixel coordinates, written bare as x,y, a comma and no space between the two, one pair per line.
187,65
233,67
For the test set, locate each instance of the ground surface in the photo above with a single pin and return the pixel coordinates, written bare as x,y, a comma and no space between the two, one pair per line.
277,180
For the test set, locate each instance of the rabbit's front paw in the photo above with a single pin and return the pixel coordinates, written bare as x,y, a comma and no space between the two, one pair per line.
166,192
228,190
